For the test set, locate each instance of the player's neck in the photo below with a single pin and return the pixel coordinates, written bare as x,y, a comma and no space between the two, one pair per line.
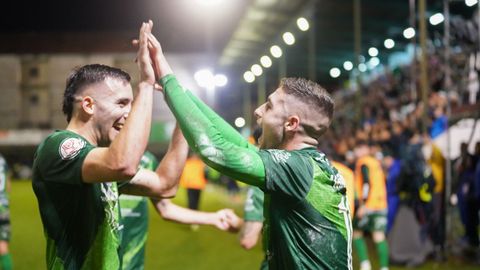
84,129
299,142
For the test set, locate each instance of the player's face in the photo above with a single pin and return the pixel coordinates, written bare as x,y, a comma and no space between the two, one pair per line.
271,117
113,103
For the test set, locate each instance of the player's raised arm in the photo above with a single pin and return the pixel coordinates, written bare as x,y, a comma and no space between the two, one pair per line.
120,160
203,136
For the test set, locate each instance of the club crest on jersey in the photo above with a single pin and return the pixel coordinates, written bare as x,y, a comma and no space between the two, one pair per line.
70,147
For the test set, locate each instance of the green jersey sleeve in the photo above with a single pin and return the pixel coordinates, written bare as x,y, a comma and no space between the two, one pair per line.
229,132
253,209
287,172
60,158
214,146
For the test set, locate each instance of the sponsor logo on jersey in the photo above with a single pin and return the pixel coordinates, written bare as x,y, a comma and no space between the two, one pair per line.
70,148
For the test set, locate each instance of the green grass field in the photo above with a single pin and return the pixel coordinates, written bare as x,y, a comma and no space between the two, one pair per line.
170,246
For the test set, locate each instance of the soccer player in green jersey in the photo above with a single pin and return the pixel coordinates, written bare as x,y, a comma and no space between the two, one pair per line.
307,223
5,258
134,212
75,169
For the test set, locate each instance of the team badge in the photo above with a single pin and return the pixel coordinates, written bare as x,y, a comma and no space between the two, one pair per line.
70,148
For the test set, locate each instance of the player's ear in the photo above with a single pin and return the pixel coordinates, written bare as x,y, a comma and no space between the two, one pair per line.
292,123
88,105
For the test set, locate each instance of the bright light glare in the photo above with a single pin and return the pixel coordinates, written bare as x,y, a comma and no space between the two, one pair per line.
303,24
266,61
288,38
347,65
409,33
374,61
389,43
471,2
373,51
256,70
209,2
436,18
362,67
335,72
276,51
248,76
220,80
205,78
239,122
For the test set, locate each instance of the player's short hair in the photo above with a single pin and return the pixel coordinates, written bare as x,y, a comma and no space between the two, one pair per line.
85,76
313,95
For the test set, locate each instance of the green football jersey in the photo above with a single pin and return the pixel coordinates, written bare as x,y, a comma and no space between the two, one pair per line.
307,223
3,181
134,210
80,220
253,209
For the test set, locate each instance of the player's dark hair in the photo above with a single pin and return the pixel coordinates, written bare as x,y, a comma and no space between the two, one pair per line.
312,94
85,76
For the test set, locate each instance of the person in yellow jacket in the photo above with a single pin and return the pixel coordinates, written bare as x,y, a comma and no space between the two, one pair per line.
193,180
371,213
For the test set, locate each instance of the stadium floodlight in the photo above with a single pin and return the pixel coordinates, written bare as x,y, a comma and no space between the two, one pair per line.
373,51
276,51
347,65
205,78
389,43
436,18
220,80
256,70
362,67
303,24
335,72
471,2
239,122
248,76
266,61
288,38
409,33
373,62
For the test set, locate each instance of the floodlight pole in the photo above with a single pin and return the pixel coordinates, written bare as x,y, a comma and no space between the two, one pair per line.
413,81
358,48
447,83
423,61
312,50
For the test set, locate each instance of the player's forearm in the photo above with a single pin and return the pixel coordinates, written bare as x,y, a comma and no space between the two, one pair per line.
204,138
127,148
230,134
171,167
173,212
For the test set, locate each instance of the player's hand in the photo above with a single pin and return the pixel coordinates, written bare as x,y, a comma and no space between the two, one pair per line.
144,62
360,212
234,222
220,220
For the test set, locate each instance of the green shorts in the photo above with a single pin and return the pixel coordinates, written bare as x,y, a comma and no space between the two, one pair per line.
4,221
371,222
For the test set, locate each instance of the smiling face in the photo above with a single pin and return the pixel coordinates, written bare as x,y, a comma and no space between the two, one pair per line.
112,104
271,117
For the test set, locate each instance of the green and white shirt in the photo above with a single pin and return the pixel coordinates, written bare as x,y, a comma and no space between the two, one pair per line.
80,220
307,222
3,183
134,210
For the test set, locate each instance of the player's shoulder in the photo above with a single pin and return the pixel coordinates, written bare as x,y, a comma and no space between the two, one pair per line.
64,143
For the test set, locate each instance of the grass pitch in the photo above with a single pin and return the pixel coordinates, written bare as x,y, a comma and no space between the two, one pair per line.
170,245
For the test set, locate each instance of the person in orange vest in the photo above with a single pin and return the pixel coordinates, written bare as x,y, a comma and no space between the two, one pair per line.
193,180
371,213
349,178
